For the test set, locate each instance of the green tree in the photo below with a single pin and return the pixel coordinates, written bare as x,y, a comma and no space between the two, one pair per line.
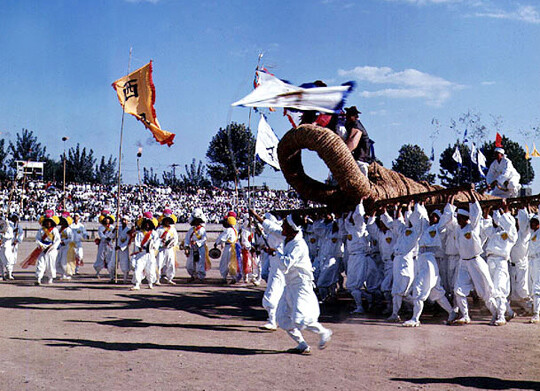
170,179
451,174
27,148
231,154
106,172
516,154
413,163
80,165
53,170
195,175
150,178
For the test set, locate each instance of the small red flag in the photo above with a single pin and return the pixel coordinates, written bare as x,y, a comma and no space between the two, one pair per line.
498,141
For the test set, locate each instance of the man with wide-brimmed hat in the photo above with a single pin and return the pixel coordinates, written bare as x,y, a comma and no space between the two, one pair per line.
502,178
357,139
146,246
122,251
168,242
48,240
230,257
65,262
105,241
195,246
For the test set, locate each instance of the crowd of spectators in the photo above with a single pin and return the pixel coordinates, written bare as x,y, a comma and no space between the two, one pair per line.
89,200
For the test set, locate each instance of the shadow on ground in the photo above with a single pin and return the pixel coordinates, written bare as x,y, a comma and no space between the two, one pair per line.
481,383
133,346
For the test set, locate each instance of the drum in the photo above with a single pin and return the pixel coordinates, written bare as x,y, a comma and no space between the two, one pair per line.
214,253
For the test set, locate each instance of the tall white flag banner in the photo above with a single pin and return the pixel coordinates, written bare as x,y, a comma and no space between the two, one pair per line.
273,92
457,156
481,163
474,152
267,143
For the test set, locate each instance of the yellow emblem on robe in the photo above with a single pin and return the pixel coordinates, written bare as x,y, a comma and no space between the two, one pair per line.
349,237
388,240
312,240
334,240
468,235
534,238
432,233
504,236
408,232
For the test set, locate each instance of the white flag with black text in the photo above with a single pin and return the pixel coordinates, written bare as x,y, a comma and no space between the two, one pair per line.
266,145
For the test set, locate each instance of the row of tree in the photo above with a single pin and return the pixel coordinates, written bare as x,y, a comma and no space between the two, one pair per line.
81,164
231,157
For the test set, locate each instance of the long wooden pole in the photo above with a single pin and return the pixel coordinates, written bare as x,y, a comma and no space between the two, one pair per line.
119,186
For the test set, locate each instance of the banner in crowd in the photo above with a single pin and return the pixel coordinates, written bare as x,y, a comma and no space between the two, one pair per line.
137,95
267,143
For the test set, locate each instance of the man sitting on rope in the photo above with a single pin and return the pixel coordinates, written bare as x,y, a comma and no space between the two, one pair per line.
502,177
358,140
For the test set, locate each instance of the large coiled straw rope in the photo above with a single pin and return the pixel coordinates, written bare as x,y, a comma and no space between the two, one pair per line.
352,184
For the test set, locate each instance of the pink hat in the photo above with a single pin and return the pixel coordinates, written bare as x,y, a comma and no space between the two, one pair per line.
148,215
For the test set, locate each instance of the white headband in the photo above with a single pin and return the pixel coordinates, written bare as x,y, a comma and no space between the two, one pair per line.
292,224
463,212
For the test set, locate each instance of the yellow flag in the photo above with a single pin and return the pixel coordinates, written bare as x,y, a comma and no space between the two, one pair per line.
137,94
527,156
535,153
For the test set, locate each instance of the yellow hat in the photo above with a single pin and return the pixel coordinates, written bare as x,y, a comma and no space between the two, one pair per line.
49,215
231,220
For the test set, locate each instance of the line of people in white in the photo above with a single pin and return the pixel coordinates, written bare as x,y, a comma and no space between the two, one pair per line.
440,256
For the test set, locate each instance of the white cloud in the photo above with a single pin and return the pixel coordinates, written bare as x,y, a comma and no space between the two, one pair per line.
488,83
409,83
524,13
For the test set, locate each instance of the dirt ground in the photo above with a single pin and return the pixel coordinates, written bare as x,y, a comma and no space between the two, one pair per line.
87,335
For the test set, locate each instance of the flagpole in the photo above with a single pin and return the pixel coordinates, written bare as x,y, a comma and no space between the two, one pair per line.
261,54
119,185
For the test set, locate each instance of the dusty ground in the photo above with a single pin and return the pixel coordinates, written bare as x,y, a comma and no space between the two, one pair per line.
89,335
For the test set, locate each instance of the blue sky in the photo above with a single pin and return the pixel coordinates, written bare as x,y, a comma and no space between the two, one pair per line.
413,60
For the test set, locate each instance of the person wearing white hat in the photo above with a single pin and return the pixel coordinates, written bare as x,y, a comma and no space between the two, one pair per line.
195,241
427,281
534,265
502,235
380,230
275,285
502,178
519,263
472,271
328,260
298,307
358,248
407,232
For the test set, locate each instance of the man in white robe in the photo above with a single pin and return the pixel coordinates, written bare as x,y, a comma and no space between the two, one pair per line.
502,177
298,308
